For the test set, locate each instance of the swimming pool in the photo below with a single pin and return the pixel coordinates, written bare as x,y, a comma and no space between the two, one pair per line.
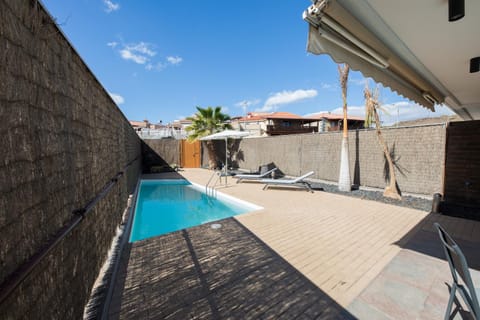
165,206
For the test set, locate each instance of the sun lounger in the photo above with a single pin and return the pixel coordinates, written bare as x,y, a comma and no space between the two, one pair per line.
299,182
241,177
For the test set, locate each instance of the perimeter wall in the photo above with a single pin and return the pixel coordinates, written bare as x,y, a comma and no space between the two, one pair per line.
419,153
62,140
168,149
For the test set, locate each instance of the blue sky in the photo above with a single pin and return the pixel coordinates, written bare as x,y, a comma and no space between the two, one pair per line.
159,59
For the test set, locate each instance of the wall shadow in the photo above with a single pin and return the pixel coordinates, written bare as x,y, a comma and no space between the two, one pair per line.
356,170
221,273
152,162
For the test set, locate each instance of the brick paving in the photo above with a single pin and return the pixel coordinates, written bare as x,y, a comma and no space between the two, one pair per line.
206,273
302,255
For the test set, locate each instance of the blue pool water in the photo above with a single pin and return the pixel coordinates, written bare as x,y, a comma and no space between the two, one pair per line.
165,206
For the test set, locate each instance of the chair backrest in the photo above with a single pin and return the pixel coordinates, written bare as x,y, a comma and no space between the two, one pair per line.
458,263
266,173
303,177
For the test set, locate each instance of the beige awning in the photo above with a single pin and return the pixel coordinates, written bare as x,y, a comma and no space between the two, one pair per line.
334,31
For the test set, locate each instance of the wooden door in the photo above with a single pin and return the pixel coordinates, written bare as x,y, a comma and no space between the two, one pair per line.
462,170
191,155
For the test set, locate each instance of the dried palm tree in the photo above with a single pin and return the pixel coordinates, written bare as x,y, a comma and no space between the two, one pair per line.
371,115
344,182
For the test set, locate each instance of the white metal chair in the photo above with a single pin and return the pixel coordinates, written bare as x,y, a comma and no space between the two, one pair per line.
242,176
299,182
462,280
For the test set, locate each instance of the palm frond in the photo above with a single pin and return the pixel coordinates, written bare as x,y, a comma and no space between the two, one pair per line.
207,121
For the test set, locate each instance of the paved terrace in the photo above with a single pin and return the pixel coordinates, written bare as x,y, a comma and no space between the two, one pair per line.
304,255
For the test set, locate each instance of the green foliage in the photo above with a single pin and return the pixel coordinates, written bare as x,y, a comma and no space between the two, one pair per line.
207,121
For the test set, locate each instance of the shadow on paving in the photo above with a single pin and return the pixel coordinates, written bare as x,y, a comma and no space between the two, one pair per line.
416,283
206,273
424,238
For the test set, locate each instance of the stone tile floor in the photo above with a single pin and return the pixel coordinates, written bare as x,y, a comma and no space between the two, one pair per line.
414,284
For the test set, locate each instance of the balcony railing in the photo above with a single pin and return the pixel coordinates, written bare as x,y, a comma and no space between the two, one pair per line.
162,133
282,130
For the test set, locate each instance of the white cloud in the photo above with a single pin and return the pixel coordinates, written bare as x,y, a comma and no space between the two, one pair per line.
117,98
336,86
328,86
174,60
308,115
137,52
287,97
141,47
352,111
129,55
155,66
358,82
144,53
110,6
405,110
399,111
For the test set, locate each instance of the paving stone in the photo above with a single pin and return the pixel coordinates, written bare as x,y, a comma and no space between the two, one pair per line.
363,310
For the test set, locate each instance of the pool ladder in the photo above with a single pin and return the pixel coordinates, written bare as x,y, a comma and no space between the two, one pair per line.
214,178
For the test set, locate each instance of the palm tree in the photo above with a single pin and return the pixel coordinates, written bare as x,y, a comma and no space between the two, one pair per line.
205,122
344,182
371,114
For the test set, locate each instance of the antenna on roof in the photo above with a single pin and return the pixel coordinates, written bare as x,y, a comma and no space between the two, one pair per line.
244,104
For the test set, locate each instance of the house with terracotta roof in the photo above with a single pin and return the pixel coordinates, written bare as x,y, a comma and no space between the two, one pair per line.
139,125
145,124
147,130
274,123
181,124
333,122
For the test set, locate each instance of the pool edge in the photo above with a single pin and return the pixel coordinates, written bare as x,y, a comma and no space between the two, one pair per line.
250,207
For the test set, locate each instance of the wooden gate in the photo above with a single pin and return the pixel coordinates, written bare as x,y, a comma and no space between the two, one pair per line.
191,154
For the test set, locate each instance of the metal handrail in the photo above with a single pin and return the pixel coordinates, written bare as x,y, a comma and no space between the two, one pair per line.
214,181
22,272
208,182
214,191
